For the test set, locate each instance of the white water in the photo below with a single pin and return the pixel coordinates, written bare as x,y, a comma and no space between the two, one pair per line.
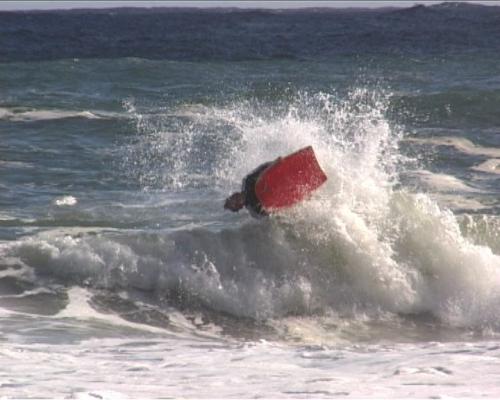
80,353
152,368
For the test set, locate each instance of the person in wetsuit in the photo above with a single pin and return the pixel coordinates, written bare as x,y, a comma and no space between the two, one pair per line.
247,197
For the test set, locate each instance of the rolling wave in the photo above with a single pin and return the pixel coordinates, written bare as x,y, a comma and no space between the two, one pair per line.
363,246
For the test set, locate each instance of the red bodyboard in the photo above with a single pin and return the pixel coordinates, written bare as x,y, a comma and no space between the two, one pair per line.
289,180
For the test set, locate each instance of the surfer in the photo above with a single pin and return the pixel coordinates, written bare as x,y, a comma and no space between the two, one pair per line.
247,197
279,184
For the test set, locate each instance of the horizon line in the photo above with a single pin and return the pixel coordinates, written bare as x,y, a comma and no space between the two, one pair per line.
244,4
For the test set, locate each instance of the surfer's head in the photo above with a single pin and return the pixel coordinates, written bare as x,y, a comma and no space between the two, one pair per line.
235,202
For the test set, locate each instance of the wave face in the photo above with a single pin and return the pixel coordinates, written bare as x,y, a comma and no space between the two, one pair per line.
236,35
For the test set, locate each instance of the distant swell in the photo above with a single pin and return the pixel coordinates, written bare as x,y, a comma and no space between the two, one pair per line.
235,35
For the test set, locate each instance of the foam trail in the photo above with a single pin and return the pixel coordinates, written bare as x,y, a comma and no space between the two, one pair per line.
461,144
442,182
491,166
22,114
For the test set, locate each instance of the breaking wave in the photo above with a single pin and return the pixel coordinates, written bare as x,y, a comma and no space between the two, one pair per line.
365,246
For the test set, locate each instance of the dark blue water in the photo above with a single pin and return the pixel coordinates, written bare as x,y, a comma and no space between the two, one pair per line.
237,35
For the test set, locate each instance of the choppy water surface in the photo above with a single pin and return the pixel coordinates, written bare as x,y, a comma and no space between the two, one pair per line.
122,276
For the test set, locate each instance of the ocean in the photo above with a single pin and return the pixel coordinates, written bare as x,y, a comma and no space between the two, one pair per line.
122,131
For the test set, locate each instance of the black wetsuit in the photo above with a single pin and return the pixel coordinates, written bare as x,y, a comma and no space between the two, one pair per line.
252,203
